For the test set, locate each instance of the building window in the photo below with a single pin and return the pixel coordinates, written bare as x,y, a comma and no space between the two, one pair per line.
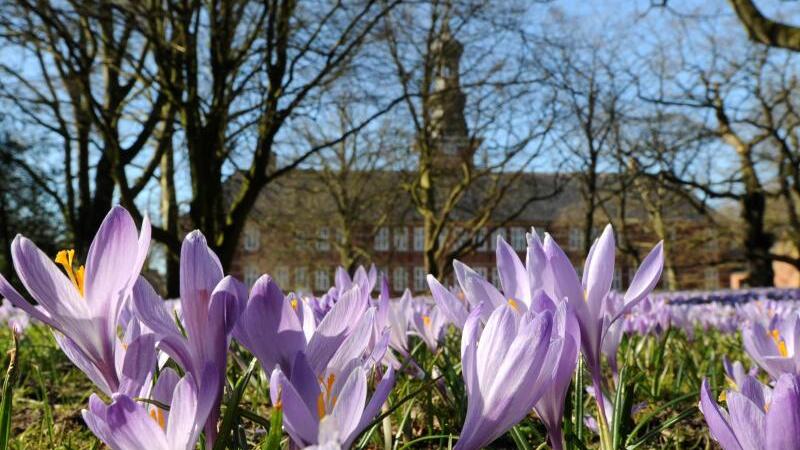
250,275
540,231
419,279
482,271
252,239
711,278
401,239
419,239
616,282
575,238
382,239
321,280
323,242
300,278
500,232
518,238
482,240
399,279
282,276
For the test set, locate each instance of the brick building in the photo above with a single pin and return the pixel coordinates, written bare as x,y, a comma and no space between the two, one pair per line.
299,232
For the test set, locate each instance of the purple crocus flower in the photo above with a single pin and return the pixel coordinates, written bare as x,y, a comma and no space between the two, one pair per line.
562,357
755,419
453,309
501,369
271,328
210,307
590,295
127,425
428,323
776,349
337,393
83,306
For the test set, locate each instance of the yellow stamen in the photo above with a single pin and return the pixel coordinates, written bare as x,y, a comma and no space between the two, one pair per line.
293,302
723,396
66,259
158,416
426,320
513,304
766,407
780,343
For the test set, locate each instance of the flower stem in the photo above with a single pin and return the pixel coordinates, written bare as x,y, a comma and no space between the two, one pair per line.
605,435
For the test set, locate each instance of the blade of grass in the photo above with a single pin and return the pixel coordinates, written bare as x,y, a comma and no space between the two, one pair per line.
8,391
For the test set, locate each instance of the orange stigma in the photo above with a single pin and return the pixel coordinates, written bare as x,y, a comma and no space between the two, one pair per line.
513,304
158,415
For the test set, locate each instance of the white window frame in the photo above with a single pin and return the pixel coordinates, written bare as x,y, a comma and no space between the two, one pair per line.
400,235
482,235
382,239
493,241
300,278
252,239
323,239
250,275
399,279
322,280
420,284
419,239
282,276
575,238
518,241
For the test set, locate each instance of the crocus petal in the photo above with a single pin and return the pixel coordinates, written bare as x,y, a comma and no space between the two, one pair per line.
500,330
382,391
200,273
139,362
37,312
600,271
453,309
269,327
95,418
132,427
783,416
647,275
109,266
47,284
747,420
149,307
350,402
513,275
333,329
469,346
105,380
301,424
717,420
183,427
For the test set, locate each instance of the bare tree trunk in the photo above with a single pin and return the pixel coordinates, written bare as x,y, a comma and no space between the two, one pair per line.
169,217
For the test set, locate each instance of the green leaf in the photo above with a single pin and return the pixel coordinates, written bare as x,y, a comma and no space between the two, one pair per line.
8,391
273,440
519,438
231,415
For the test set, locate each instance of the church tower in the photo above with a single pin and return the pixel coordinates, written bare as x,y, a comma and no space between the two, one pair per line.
450,134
